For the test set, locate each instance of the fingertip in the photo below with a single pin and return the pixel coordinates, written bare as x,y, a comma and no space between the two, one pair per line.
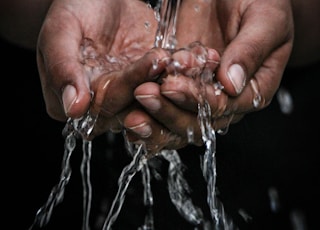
213,59
232,77
213,55
74,104
147,68
237,77
69,97
160,59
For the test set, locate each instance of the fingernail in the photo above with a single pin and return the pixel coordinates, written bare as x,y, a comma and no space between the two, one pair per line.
175,96
143,130
69,97
237,77
150,102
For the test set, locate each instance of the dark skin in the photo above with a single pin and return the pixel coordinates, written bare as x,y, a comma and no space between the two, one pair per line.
69,77
112,88
262,66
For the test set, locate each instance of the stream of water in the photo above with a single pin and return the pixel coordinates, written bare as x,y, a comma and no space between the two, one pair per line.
166,13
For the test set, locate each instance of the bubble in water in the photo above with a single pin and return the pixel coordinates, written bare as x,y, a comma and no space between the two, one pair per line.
285,100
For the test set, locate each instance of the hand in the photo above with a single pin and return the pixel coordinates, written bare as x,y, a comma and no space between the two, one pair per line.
166,124
254,40
92,54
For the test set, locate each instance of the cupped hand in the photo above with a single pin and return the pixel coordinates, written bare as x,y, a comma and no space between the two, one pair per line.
254,39
162,123
92,54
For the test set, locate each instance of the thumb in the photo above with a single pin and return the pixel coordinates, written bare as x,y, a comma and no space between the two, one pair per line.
260,45
64,82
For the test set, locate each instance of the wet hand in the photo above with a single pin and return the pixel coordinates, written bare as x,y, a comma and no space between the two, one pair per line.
88,46
172,123
254,45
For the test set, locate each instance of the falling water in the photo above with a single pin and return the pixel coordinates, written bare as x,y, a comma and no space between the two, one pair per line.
72,130
179,189
166,13
124,181
86,183
57,193
166,39
147,198
220,218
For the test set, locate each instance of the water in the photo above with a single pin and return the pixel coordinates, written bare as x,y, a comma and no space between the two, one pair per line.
147,198
86,183
285,100
166,12
72,130
179,189
218,215
124,181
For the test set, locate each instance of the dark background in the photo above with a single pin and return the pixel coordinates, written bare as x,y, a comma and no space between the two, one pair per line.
267,150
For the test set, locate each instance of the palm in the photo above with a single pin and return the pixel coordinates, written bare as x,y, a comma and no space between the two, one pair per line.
82,40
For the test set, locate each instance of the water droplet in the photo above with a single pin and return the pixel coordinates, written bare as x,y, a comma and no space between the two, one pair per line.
257,96
285,100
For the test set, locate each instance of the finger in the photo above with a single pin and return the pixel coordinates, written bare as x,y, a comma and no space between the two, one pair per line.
183,89
175,119
253,98
114,91
102,125
115,123
256,95
142,128
185,93
192,59
61,73
263,30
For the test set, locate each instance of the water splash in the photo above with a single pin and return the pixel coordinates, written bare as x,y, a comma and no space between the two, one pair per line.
208,161
179,189
86,183
147,198
166,13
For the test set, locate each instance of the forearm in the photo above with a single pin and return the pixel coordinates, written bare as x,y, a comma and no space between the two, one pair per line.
20,21
306,49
